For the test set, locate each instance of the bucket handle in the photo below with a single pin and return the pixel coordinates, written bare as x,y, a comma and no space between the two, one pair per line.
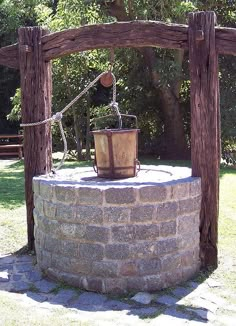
138,168
123,115
95,165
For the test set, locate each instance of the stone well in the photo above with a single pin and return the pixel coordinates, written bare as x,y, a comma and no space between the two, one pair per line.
116,236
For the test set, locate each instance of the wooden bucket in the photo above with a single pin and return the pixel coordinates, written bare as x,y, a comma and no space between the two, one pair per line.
116,153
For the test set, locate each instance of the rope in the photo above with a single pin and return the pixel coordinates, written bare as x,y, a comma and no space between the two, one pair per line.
57,117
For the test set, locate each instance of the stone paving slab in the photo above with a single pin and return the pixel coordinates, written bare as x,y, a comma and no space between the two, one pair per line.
192,305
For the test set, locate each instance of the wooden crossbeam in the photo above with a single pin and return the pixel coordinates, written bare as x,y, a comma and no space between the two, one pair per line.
9,56
121,34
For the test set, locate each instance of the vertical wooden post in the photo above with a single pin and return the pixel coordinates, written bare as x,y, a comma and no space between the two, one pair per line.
36,92
205,129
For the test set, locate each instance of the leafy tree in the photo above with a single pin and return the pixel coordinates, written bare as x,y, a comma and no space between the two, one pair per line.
153,83
13,14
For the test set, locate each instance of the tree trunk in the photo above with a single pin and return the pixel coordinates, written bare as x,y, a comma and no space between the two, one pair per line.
174,144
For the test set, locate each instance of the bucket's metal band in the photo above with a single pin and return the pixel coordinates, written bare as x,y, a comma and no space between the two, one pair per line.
135,168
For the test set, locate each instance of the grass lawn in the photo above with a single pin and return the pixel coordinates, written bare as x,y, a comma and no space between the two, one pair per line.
13,220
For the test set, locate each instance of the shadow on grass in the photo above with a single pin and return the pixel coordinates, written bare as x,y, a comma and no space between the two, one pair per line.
12,185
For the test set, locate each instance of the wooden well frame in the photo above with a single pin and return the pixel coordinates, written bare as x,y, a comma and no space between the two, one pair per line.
204,41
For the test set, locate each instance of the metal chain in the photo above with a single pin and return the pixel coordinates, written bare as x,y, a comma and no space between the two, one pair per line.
57,117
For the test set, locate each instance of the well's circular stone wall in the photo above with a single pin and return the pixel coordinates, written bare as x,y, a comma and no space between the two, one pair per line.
116,236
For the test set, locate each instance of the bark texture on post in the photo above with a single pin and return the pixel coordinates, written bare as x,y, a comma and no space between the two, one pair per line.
36,92
205,129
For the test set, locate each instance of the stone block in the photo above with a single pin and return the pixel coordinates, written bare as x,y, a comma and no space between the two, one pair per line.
128,268
189,257
190,272
195,187
117,251
38,204
39,237
105,269
45,259
153,283
97,233
189,205
187,224
51,227
171,262
141,213
167,300
184,240
45,286
36,217
142,250
78,266
136,284
166,246
49,209
115,285
65,194
116,215
171,278
142,297
68,248
38,220
135,232
146,232
72,231
120,195
65,213
90,299
89,215
71,265
166,211
36,185
154,194
91,251
180,190
167,228
94,284
149,266
51,244
46,190
89,196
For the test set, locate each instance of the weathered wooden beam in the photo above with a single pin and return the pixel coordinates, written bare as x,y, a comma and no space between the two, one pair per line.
36,93
226,40
122,34
9,56
205,130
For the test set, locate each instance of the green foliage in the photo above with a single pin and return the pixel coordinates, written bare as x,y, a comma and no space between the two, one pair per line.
15,113
136,93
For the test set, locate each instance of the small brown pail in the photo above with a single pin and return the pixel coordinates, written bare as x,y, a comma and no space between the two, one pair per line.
116,153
